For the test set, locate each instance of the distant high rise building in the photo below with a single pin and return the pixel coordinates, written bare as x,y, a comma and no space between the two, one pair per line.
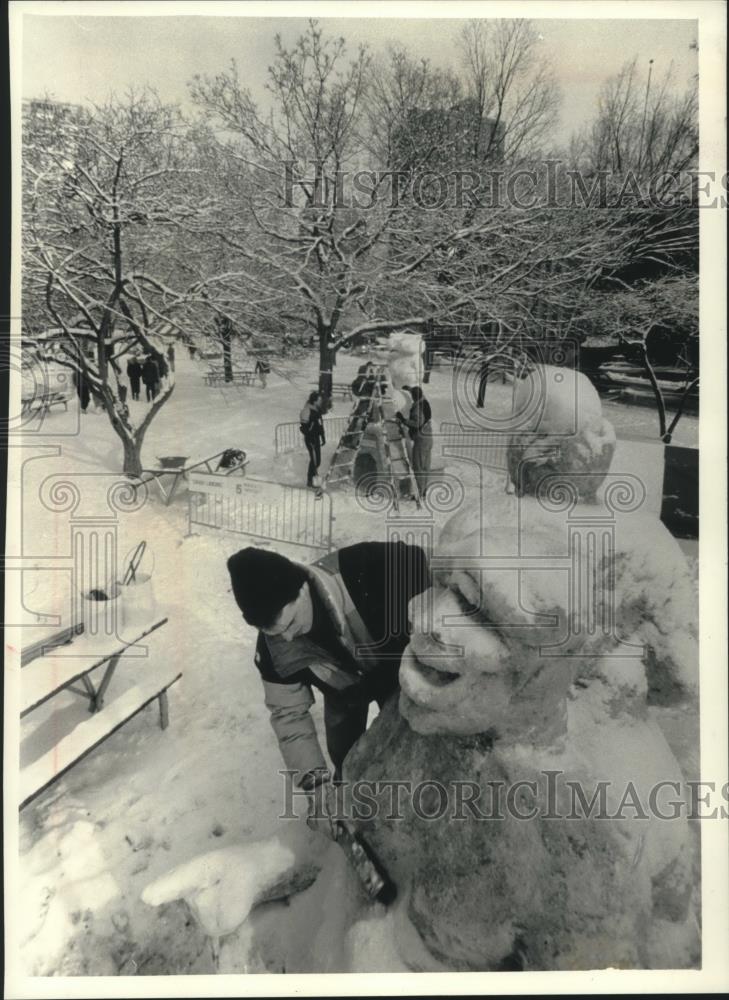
49,125
433,138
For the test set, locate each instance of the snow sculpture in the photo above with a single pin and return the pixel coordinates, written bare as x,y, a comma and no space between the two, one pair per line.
405,364
560,429
405,359
405,367
543,826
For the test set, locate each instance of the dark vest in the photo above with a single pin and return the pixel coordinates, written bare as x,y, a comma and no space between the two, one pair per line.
302,653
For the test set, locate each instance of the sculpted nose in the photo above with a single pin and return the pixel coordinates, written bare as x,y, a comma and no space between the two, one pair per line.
428,613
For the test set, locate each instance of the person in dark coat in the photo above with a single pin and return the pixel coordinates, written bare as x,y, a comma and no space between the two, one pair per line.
262,370
134,373
421,434
366,380
171,356
83,389
150,377
312,427
340,626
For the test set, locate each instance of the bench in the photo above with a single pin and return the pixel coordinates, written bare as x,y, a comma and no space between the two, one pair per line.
239,377
65,667
343,389
43,403
178,473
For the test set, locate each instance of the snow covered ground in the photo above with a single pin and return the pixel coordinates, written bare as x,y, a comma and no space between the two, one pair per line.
147,800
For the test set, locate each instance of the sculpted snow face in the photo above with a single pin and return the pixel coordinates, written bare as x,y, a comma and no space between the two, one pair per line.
559,428
500,638
473,664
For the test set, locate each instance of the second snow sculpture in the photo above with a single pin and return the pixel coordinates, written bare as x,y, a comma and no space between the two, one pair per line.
529,833
405,359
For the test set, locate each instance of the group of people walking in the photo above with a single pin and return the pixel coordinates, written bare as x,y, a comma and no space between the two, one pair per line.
150,371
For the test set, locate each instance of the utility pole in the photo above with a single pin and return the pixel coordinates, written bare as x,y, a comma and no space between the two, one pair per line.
645,111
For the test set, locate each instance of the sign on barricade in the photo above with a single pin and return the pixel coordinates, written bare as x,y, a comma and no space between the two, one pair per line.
262,509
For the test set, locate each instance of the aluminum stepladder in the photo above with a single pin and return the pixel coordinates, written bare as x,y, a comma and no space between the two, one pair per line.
397,459
341,467
395,453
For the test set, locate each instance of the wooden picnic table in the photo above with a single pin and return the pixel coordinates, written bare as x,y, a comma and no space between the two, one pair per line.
43,402
343,389
86,666
168,487
237,376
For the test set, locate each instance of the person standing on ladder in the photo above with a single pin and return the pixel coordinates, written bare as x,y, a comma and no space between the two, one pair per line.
312,427
421,434
366,380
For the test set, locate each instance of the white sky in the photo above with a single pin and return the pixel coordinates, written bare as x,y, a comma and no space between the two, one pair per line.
78,58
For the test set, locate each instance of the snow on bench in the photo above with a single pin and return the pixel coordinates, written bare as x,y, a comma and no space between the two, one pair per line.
237,377
343,389
88,735
51,637
43,402
46,676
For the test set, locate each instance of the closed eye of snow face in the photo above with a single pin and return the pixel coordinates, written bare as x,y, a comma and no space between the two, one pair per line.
469,609
467,606
477,613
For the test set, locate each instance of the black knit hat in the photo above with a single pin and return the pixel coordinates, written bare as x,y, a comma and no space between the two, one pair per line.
263,583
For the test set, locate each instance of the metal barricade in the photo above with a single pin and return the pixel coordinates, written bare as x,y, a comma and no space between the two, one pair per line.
262,509
488,448
288,437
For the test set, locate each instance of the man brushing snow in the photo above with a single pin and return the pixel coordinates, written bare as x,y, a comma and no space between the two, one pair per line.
339,625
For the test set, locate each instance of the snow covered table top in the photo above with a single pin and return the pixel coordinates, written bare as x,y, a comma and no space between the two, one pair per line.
47,675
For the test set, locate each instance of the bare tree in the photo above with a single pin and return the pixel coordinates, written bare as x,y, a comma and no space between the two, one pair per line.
644,124
512,86
105,261
292,246
311,242
320,232
644,139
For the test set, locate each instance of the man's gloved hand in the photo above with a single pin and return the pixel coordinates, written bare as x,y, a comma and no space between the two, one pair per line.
322,803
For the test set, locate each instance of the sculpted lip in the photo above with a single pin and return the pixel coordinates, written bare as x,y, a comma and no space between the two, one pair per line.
434,676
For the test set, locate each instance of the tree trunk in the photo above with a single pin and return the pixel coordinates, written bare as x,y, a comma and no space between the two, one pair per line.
132,457
327,360
227,362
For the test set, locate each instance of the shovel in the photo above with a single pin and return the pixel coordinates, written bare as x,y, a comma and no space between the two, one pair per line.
131,571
